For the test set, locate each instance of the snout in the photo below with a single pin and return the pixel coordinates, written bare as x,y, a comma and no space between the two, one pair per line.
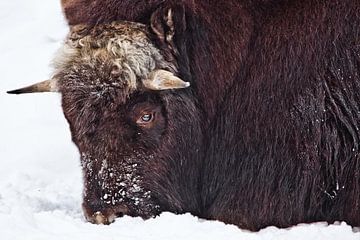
102,215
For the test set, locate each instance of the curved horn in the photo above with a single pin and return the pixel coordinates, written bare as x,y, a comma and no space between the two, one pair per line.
44,86
162,80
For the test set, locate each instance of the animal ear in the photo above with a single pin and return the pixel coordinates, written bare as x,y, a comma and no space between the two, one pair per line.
163,80
163,25
168,24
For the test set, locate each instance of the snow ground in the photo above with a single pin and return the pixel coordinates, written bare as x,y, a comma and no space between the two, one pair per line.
40,177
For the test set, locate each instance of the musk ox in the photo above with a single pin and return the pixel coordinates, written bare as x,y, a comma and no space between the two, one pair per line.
247,112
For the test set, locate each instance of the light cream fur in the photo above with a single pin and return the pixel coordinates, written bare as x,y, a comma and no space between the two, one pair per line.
125,45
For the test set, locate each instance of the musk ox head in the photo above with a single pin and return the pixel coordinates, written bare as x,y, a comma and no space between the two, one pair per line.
134,121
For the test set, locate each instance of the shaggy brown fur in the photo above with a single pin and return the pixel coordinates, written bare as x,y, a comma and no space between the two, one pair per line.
268,134
99,72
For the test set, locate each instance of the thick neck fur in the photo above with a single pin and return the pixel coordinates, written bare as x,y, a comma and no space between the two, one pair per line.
277,89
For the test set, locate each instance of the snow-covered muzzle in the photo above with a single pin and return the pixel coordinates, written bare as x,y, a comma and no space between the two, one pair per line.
115,188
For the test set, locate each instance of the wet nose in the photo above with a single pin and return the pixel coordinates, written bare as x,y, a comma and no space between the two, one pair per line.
104,215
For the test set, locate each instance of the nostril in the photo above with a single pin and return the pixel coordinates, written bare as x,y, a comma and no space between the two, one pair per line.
119,214
114,213
120,211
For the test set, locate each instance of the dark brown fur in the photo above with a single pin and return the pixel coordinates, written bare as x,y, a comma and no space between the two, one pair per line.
268,134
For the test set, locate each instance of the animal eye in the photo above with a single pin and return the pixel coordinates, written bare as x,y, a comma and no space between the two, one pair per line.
145,119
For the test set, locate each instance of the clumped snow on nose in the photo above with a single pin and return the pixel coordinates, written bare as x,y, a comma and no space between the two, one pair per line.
120,184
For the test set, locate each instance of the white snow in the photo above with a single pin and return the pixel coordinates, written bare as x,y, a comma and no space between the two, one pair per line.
40,176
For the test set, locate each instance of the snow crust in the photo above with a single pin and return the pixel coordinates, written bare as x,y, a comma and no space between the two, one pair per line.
40,175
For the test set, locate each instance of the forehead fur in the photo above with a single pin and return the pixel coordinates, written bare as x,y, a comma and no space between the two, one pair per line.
119,54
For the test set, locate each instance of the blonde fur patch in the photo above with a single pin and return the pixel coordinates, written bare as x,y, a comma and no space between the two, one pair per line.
123,45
